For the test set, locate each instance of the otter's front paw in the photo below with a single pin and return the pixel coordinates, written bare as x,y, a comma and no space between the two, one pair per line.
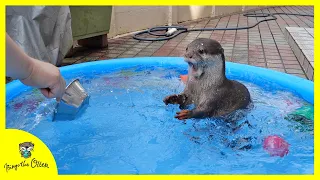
184,114
173,99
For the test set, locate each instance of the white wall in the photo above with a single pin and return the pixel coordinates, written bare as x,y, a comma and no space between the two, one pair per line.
126,19
187,13
224,10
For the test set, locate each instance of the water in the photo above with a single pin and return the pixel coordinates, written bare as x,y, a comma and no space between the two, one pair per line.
127,129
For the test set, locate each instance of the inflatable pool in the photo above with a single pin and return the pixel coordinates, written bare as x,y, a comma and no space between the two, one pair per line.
127,129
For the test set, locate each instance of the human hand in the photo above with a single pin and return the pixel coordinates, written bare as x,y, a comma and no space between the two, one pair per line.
47,78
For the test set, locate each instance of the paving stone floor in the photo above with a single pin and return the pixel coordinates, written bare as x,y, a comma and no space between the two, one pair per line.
264,45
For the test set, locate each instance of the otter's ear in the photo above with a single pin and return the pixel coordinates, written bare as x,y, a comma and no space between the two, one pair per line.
222,50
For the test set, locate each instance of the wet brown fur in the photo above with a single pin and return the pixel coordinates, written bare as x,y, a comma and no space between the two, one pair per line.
207,87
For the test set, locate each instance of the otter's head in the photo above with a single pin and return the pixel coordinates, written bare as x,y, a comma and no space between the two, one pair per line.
26,146
202,54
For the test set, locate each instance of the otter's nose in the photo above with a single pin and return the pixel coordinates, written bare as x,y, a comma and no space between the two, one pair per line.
188,55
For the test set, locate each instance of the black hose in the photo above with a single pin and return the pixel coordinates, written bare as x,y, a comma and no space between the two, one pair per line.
182,29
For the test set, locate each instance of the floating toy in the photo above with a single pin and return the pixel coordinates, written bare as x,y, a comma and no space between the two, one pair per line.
30,104
304,116
184,78
18,106
276,146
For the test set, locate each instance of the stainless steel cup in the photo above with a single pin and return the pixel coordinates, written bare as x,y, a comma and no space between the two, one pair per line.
73,100
75,94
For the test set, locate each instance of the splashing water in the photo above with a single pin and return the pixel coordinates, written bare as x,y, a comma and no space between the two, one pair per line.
127,129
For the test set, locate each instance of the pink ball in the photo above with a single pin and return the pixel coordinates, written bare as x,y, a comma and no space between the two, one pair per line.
276,146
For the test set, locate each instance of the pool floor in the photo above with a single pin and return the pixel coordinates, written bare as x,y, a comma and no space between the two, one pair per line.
127,129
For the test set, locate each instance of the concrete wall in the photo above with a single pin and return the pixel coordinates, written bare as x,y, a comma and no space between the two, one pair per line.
187,13
126,19
224,10
247,8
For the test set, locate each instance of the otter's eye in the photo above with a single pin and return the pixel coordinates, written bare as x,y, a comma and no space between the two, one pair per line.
187,49
201,51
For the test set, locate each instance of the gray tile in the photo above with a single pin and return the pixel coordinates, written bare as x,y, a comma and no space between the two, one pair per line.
301,57
305,63
126,56
288,62
300,75
292,66
274,65
302,43
295,71
272,61
310,72
277,69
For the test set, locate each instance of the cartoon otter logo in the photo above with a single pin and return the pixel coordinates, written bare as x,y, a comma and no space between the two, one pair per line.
25,149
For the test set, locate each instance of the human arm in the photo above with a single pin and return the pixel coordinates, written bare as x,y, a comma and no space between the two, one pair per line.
33,72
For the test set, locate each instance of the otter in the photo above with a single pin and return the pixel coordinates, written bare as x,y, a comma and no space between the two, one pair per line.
25,149
207,85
